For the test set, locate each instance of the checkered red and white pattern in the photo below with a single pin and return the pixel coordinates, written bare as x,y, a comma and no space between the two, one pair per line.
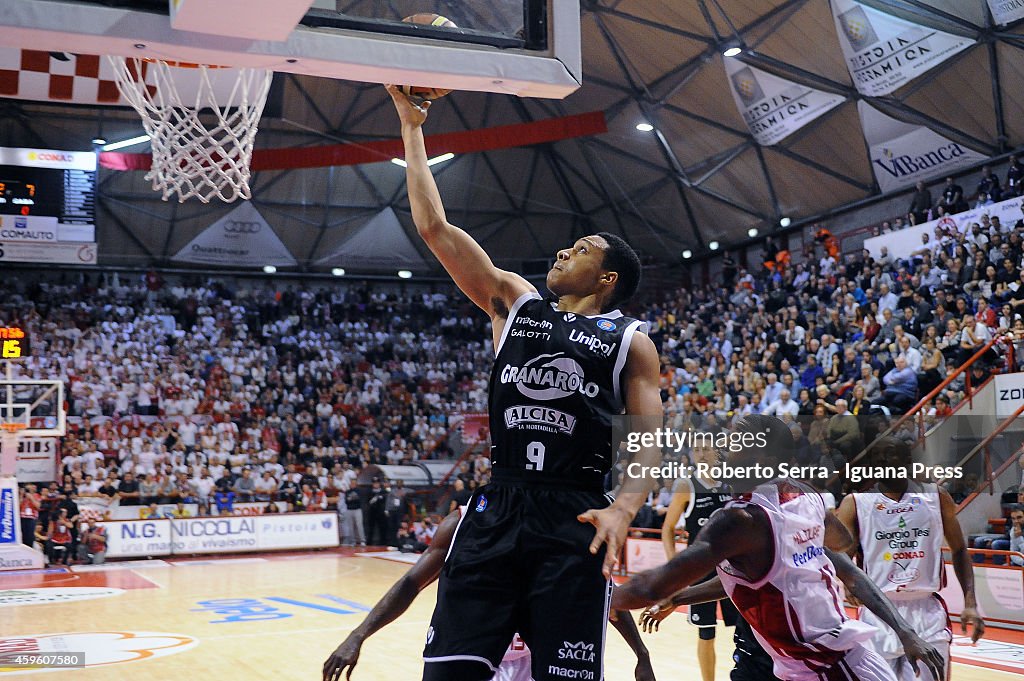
32,74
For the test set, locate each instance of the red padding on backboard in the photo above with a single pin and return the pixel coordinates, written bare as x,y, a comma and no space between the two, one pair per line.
500,137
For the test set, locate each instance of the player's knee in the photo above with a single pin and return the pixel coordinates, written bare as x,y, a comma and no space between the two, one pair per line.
707,633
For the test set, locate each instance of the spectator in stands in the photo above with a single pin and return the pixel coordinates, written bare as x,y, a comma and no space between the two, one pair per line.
244,487
351,518
900,392
844,432
128,490
376,516
953,197
92,546
1017,535
989,190
920,204
58,538
30,503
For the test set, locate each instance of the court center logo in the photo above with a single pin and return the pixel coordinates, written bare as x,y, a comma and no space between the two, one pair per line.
101,648
64,594
549,377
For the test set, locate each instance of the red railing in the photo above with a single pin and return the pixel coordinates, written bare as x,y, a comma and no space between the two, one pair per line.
918,409
990,475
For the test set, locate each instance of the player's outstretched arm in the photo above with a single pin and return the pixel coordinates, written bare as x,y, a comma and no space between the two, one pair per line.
395,602
676,508
728,533
915,648
623,623
963,566
705,592
492,289
645,412
847,515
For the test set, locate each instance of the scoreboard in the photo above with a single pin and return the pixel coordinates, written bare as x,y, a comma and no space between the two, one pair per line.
47,206
13,343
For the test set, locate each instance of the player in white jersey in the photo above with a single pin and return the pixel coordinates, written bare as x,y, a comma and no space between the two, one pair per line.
516,663
899,527
780,556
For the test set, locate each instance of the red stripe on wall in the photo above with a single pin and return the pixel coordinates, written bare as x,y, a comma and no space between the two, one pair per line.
487,139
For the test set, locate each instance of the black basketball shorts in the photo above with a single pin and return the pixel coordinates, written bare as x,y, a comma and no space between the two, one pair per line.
520,562
705,615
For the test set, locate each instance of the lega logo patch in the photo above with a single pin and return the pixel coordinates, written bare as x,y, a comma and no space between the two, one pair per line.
430,635
606,325
481,504
569,317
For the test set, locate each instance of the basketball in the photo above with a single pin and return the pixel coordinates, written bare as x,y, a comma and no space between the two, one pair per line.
418,93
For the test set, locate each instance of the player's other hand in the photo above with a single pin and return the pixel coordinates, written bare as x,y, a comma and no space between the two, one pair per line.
345,656
917,651
970,615
644,671
651,618
612,523
410,114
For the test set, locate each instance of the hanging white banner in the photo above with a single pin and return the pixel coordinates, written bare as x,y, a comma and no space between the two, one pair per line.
883,52
774,107
1006,11
902,154
242,238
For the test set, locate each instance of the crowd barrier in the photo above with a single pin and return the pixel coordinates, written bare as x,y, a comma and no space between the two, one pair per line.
220,534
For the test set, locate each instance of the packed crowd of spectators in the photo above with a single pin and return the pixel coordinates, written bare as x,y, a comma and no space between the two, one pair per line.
203,394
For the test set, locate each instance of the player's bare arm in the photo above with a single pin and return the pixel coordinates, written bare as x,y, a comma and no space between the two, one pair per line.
643,403
963,566
395,602
728,535
914,647
492,289
847,515
624,625
705,592
668,528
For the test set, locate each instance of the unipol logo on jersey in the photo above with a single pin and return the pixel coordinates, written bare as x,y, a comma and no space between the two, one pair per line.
583,652
549,377
592,342
536,417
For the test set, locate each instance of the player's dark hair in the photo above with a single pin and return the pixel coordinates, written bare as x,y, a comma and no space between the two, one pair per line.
620,257
777,437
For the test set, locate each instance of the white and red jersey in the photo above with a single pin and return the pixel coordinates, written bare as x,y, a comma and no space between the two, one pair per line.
796,609
516,650
30,506
902,541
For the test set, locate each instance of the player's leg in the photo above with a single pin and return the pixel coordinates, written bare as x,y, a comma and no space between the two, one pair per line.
704,616
477,594
567,595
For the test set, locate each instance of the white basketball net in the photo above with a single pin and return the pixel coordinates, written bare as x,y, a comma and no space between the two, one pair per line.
189,158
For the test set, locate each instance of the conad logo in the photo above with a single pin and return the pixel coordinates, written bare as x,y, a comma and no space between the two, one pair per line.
50,156
101,648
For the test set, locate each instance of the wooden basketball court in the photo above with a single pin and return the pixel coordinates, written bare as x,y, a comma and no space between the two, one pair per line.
274,617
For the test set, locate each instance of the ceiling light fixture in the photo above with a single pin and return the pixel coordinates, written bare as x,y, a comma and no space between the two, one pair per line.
644,127
404,274
687,254
269,269
132,141
752,232
785,222
338,271
713,245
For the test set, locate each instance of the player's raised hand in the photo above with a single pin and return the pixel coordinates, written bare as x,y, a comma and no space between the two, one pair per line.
916,650
651,618
345,656
612,523
970,615
410,114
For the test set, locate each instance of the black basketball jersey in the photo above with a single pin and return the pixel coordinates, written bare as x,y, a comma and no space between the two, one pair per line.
703,502
553,393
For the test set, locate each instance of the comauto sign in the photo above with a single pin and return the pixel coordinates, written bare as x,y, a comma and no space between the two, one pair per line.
238,227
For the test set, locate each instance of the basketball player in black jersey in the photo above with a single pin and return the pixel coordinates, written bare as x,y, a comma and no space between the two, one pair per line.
694,499
525,552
